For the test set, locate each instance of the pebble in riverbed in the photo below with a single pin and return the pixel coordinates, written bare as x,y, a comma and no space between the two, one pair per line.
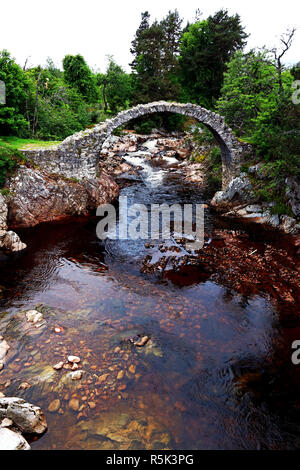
24,386
54,406
72,363
142,341
74,359
34,316
4,347
74,404
77,375
58,366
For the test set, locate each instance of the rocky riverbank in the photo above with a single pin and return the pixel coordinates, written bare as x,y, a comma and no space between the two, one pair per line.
18,418
9,241
38,195
238,201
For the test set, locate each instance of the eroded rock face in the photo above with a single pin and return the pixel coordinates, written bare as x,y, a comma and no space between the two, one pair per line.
3,213
39,197
28,418
238,191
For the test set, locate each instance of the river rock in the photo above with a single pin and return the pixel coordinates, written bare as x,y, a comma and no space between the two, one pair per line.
39,197
239,191
293,194
289,225
74,359
58,366
10,241
3,213
142,341
34,316
54,406
27,417
77,375
74,404
6,423
10,440
4,347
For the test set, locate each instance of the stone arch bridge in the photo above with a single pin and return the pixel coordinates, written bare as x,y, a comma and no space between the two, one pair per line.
78,155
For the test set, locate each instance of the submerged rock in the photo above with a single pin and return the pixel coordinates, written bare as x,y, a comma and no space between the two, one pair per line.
120,429
54,406
34,316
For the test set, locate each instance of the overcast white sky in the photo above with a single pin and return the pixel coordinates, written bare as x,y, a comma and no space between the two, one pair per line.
93,28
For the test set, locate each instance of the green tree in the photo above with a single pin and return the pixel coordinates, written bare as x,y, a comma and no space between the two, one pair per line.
118,86
295,71
59,109
78,75
251,90
155,49
205,49
12,114
256,102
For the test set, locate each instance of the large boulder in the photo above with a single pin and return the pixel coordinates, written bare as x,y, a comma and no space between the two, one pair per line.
39,197
9,241
239,191
28,418
10,440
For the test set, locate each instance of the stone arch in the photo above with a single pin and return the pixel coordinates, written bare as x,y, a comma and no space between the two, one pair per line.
78,155
228,143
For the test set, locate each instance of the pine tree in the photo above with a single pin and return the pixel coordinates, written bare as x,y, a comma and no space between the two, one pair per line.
155,49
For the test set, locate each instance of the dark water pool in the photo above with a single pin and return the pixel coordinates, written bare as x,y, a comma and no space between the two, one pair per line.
216,374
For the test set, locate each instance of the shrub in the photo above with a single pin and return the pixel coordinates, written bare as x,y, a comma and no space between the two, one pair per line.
9,160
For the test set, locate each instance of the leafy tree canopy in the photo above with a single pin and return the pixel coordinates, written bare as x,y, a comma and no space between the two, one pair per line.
78,75
206,46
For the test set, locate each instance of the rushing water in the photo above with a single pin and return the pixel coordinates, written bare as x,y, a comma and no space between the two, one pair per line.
216,373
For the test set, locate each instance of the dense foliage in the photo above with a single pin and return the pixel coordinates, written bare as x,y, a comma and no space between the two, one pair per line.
169,63
12,114
202,62
9,160
257,103
206,47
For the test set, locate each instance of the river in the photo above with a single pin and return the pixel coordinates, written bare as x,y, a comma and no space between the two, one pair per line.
217,370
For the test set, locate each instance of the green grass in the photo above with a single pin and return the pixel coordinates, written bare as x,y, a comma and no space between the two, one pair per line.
17,144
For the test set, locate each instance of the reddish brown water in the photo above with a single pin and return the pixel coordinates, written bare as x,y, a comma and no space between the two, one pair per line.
217,373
